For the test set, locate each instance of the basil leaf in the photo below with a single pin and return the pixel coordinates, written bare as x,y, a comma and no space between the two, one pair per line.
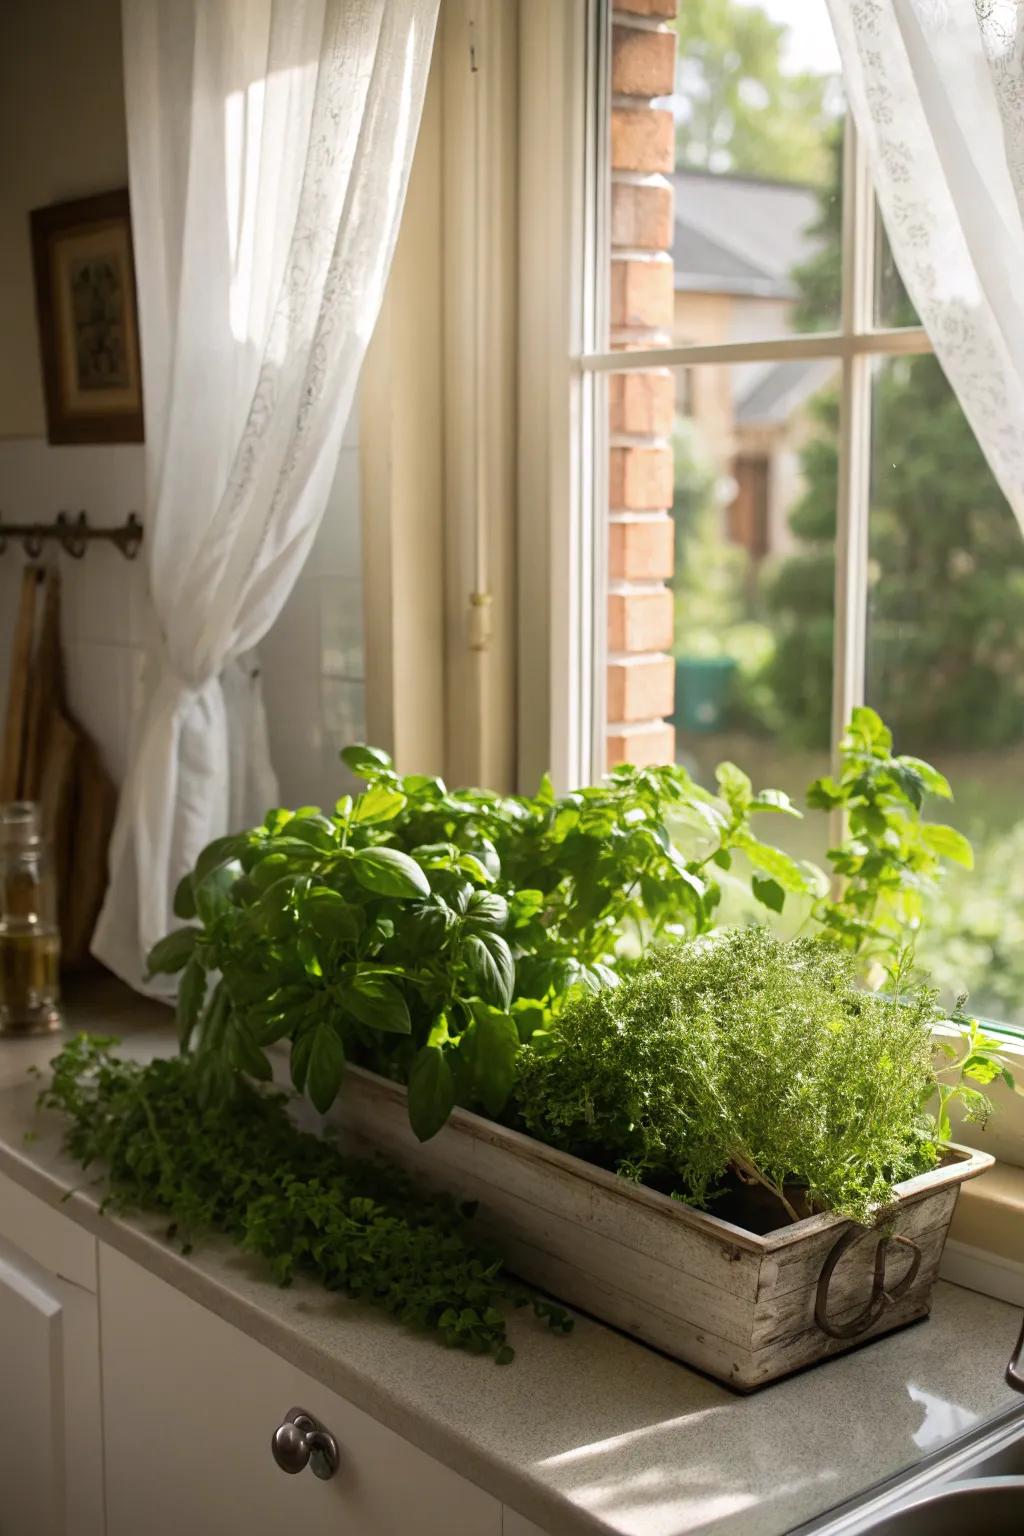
245,1056
184,904
330,916
315,830
173,952
270,869
213,892
365,761
377,1003
425,924
302,1046
497,1043
378,804
191,993
490,966
487,910
220,851
431,1092
389,872
326,1065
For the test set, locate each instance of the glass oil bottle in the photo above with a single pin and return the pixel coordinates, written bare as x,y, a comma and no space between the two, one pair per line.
29,937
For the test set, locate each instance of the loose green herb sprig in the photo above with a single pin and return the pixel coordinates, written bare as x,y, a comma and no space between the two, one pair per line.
357,1226
426,933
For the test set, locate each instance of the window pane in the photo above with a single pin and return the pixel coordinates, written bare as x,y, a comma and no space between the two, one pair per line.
755,499
946,665
892,302
758,109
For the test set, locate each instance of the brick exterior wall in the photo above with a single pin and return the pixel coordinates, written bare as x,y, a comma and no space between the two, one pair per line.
640,685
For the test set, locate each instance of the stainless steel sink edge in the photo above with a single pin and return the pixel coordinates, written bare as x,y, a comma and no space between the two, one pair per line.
987,1446
993,1505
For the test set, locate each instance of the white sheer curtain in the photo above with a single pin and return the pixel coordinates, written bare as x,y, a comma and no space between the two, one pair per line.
937,92
269,150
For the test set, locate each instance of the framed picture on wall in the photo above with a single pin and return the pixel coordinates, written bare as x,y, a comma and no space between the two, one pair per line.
88,325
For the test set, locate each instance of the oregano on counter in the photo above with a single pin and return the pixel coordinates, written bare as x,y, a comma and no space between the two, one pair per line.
244,1168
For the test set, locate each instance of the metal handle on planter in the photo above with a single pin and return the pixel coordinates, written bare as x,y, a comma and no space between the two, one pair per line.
882,1296
301,1441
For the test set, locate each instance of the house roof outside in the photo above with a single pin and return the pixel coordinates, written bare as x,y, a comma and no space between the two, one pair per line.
741,235
782,390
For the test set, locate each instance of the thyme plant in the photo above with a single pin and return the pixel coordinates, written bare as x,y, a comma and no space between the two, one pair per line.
740,1055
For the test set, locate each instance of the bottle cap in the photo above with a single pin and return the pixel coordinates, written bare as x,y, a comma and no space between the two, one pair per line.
19,824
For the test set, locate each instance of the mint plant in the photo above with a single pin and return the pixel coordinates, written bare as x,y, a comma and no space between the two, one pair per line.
890,856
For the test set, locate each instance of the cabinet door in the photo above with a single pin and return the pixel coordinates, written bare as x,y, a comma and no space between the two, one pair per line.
189,1407
50,1450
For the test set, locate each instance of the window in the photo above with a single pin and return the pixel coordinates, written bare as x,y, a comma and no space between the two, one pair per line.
788,514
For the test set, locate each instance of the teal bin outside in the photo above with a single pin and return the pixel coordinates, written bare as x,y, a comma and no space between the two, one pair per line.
702,692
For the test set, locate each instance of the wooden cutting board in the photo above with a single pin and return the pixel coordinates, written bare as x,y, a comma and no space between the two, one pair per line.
48,758
12,755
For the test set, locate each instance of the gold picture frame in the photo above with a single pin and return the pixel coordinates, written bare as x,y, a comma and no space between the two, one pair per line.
88,321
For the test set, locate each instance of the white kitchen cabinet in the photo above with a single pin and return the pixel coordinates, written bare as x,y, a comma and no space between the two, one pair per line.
51,1467
190,1405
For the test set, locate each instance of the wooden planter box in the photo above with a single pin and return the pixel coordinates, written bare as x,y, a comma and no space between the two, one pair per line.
744,1308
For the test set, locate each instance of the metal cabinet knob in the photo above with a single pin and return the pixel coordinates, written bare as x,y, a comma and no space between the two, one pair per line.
301,1441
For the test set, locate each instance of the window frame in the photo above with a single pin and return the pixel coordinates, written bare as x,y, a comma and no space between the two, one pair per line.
855,345
562,508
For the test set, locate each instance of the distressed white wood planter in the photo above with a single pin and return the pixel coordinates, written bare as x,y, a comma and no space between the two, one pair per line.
745,1308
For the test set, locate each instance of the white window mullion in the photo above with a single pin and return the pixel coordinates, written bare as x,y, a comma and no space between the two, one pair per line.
854,487
902,342
594,506
557,451
480,101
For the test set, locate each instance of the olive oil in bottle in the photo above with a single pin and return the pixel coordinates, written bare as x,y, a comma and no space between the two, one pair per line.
29,979
29,940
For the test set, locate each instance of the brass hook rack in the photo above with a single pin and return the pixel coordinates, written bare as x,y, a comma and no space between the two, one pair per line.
74,535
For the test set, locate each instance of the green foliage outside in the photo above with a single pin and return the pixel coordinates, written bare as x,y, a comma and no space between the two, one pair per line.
946,573
741,111
711,583
972,936
946,563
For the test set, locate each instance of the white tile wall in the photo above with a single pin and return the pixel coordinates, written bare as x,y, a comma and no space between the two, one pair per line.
312,660
104,606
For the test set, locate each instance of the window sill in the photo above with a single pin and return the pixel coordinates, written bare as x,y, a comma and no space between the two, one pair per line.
985,1250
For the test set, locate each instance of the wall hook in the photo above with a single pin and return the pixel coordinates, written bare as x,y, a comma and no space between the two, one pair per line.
73,534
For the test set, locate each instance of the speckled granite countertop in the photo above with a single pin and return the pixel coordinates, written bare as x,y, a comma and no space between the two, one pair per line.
587,1434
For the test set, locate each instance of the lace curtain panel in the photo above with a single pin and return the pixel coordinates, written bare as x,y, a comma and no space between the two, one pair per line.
269,150
936,88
